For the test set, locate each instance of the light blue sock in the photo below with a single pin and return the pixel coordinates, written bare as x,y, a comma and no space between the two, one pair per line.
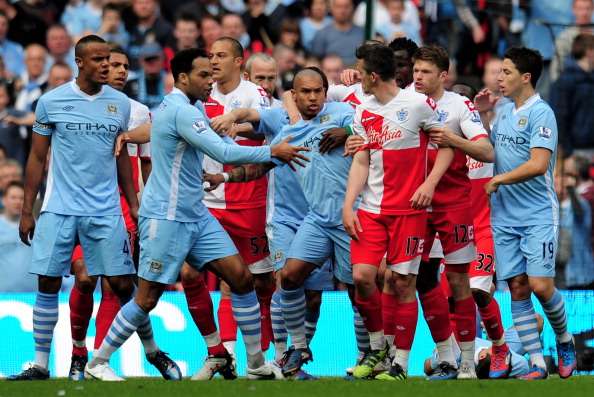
45,317
361,333
144,330
527,327
128,319
293,306
278,326
555,312
246,311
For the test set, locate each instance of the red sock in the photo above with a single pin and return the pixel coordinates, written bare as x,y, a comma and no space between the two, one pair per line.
265,298
405,324
227,323
491,317
212,281
200,307
81,310
370,309
108,309
389,304
465,318
437,315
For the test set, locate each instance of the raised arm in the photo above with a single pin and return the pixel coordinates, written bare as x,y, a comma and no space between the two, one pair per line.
243,173
139,135
479,149
226,121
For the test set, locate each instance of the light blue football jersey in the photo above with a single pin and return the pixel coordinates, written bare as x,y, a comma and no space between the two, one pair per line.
286,201
82,176
324,178
514,133
180,137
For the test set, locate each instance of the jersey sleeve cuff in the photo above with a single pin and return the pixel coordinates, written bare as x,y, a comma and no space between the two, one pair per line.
476,138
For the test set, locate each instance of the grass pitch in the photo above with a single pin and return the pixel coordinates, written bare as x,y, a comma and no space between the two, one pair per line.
417,387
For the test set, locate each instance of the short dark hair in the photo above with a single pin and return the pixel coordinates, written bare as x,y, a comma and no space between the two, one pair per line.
434,54
84,41
526,60
183,60
581,44
17,184
377,58
111,7
115,48
317,70
482,368
60,64
404,44
582,165
236,46
465,90
187,17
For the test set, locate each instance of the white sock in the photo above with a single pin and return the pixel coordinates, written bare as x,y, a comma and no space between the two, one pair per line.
401,358
377,340
230,346
467,351
445,353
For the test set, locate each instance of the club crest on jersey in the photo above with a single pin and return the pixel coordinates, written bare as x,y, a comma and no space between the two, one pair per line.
235,103
442,116
112,108
325,118
544,132
199,126
522,122
278,256
402,115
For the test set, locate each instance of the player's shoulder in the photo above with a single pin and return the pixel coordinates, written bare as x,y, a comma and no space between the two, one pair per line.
112,93
138,108
338,107
415,99
60,92
251,88
541,107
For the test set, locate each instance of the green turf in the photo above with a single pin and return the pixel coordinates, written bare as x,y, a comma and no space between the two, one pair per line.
416,387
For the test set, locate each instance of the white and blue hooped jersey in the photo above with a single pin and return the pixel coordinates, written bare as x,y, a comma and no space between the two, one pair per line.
180,137
82,177
286,201
514,133
324,178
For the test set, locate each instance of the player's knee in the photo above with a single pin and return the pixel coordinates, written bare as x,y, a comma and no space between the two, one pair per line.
85,284
188,274
49,285
519,288
364,284
242,282
123,287
147,303
542,288
264,282
426,284
290,278
481,298
459,284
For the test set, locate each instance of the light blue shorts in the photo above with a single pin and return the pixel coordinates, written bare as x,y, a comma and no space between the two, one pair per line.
165,245
316,244
527,250
104,241
280,236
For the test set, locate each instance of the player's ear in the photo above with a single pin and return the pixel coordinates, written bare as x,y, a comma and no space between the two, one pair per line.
183,78
526,78
78,61
246,76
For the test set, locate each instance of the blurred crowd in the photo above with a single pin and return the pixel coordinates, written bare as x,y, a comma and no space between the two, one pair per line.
37,54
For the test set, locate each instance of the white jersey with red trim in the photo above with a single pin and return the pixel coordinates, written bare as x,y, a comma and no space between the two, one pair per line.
235,195
397,142
479,174
139,114
353,94
458,114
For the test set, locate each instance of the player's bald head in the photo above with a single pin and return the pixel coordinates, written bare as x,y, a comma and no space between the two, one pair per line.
309,75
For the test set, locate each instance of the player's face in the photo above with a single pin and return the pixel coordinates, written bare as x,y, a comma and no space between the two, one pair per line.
367,80
404,69
309,95
224,63
94,63
483,354
200,79
118,70
427,77
510,79
13,201
265,75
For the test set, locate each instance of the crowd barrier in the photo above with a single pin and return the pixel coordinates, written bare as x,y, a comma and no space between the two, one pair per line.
333,346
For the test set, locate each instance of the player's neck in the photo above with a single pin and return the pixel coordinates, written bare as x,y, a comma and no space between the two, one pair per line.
225,87
526,93
386,91
436,96
183,91
88,87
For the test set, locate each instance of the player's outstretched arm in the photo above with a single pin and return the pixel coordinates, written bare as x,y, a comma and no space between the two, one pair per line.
243,173
479,149
537,165
33,175
125,180
139,135
424,194
357,178
225,122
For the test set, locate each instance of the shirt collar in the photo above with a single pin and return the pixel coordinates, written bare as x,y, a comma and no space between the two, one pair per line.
80,92
177,91
529,102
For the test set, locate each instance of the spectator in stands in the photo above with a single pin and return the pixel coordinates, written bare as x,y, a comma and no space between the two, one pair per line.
59,46
111,27
210,28
575,249
33,77
316,18
28,20
11,51
342,37
10,136
492,69
332,66
585,185
146,26
290,36
582,12
571,99
232,26
397,26
381,14
286,59
3,154
10,171
148,87
16,256
186,34
8,79
452,76
260,26
83,17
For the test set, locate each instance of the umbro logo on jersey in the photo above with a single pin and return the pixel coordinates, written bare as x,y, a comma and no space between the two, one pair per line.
68,108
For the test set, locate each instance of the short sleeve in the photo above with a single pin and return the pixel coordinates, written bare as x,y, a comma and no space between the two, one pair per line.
470,121
346,116
358,128
271,122
144,150
428,116
543,129
337,93
42,125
